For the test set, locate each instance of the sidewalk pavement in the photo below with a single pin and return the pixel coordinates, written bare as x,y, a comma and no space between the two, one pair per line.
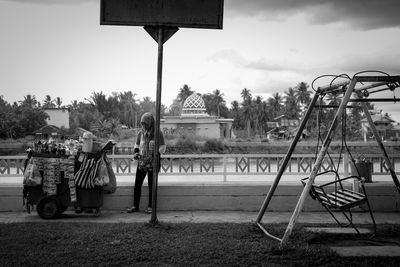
108,216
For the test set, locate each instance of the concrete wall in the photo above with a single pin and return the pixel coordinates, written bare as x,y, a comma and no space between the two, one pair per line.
383,197
210,130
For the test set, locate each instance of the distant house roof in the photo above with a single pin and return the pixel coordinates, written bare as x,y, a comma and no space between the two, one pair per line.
81,131
378,118
279,117
273,130
271,124
396,127
48,129
55,108
295,130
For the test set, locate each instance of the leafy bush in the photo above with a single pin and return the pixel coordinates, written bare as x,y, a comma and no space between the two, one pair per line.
186,145
213,146
126,134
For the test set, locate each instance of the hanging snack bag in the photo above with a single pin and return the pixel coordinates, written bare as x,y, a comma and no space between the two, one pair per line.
32,175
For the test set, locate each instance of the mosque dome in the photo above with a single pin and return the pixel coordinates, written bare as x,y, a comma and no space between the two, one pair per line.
194,106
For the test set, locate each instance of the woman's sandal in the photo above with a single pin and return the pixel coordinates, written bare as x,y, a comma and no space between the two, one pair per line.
132,209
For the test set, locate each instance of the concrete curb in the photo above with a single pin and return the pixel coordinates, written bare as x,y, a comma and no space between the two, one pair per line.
359,218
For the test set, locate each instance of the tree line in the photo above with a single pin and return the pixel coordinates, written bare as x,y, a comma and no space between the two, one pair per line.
104,114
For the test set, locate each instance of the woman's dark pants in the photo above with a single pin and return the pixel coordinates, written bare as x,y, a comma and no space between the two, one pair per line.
140,175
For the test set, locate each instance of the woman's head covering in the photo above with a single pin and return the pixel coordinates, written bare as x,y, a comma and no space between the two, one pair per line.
148,121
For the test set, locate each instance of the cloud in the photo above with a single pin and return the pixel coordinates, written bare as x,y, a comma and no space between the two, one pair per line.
383,62
236,59
360,14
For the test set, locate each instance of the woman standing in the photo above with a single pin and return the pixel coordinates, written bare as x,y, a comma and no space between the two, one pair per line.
144,154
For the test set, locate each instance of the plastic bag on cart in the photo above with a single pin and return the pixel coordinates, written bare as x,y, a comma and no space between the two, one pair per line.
111,187
85,176
102,178
32,175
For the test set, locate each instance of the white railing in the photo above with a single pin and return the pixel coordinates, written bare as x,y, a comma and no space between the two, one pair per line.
223,165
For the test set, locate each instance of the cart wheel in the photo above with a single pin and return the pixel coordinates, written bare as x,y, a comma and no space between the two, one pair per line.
61,209
97,212
47,207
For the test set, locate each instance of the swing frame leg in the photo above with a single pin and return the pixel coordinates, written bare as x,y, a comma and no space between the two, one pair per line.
370,213
318,162
283,167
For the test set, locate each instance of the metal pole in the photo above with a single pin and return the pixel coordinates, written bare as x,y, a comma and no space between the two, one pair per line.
394,99
224,159
287,158
318,162
156,162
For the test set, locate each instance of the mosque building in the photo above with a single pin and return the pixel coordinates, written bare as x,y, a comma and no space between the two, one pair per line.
195,120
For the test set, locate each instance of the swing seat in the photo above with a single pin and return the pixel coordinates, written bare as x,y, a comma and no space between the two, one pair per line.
338,196
342,199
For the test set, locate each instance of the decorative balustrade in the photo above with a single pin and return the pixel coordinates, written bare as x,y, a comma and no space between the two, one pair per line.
220,164
11,165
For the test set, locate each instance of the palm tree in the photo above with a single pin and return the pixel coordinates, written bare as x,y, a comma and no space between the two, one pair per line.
127,96
218,100
106,128
258,116
215,103
247,108
354,129
246,95
275,103
128,108
292,109
58,101
147,105
29,101
74,105
302,93
48,102
333,99
98,101
235,109
184,92
175,108
108,107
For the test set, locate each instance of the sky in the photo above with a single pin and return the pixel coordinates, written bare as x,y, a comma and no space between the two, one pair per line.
58,47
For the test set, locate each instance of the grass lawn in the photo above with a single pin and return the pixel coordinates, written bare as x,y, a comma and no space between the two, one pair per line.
180,244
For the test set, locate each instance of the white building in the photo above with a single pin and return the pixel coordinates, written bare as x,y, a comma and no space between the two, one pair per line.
58,117
194,120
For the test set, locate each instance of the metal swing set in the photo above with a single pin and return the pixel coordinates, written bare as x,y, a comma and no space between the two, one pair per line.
355,89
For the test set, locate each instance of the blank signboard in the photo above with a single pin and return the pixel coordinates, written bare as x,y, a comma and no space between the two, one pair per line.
176,13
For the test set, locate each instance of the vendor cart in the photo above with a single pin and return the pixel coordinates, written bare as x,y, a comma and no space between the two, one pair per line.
63,181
